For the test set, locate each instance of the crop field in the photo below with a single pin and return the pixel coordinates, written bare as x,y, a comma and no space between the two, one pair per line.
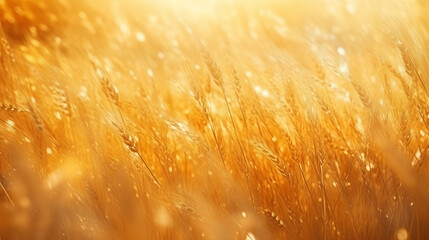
214,119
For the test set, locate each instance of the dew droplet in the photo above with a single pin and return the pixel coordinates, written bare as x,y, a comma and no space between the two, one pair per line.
341,51
149,72
140,37
265,93
402,234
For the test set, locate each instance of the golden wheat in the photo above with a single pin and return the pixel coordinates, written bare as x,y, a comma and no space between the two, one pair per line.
214,119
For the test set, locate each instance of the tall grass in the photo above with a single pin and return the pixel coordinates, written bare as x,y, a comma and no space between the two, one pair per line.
214,119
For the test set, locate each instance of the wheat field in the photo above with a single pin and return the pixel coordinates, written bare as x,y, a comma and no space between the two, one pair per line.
214,119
